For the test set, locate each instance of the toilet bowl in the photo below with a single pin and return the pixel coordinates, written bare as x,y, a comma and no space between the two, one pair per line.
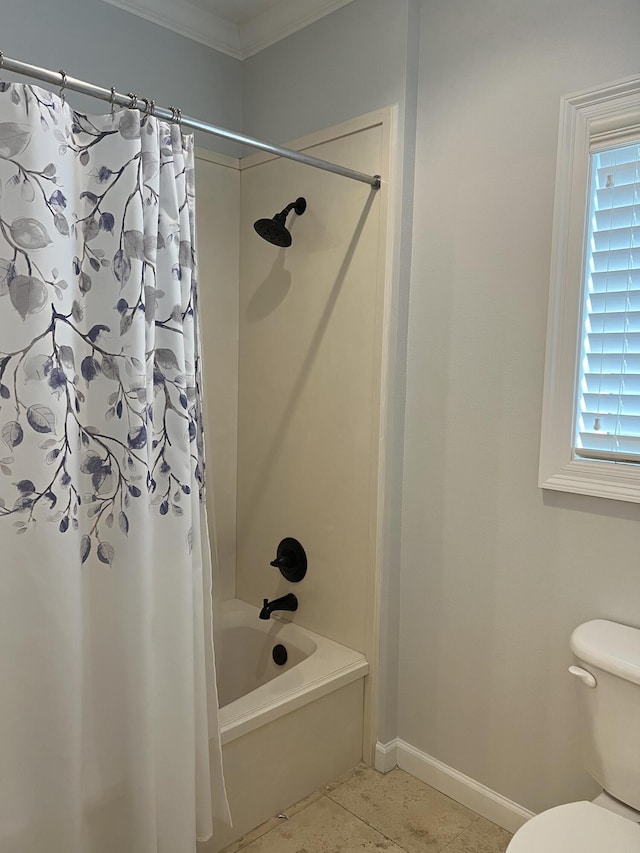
608,655
581,827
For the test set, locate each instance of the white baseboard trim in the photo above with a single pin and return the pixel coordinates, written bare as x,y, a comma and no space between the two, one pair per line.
463,789
386,757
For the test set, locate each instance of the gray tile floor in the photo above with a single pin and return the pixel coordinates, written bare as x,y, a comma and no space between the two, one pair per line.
370,812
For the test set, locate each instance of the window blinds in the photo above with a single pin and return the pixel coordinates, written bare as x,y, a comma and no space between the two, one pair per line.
608,399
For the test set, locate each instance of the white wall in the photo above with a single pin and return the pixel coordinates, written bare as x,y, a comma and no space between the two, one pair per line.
495,572
102,44
346,64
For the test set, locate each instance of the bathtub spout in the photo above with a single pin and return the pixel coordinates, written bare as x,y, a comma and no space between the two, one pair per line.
287,602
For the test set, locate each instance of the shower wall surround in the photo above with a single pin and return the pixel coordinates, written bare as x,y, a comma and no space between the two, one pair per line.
218,215
293,345
310,382
294,376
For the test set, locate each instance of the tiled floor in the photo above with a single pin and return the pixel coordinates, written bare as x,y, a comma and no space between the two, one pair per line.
370,812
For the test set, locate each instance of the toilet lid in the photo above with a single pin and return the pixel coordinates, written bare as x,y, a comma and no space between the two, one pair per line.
577,828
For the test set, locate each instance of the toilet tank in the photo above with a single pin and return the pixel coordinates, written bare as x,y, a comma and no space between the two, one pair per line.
611,719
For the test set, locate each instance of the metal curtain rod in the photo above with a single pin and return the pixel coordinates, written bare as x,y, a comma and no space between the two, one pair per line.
60,78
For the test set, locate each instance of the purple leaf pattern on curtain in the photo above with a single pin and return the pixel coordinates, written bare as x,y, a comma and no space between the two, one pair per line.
99,402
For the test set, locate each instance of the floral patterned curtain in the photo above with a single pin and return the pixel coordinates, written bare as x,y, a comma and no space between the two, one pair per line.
104,614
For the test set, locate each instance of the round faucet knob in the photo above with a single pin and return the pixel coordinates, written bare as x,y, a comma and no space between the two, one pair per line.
291,560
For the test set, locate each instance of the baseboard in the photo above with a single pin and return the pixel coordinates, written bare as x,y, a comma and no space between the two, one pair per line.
463,789
386,757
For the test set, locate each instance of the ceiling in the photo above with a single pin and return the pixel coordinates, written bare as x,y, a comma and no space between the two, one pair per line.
239,28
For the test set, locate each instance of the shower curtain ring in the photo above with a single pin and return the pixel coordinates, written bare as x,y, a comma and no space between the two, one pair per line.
112,101
133,102
63,85
149,106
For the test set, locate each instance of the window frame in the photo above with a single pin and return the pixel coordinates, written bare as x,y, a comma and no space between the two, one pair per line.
592,119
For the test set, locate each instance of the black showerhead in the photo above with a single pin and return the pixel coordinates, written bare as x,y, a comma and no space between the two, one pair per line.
274,230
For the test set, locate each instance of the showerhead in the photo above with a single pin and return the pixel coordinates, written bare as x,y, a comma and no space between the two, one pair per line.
274,230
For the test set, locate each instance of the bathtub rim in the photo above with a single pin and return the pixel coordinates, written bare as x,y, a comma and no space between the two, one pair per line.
330,667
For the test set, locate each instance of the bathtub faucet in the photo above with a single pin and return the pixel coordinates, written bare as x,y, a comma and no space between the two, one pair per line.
287,602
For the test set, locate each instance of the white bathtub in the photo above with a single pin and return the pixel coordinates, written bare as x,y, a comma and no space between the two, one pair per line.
286,730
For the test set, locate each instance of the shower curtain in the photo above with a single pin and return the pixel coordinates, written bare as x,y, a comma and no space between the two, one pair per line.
104,572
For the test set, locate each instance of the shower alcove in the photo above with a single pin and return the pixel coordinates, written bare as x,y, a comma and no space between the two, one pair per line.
295,364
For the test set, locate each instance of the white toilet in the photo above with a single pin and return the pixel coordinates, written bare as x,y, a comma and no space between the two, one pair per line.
610,699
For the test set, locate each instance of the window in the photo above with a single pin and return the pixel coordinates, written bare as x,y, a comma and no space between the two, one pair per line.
608,399
591,410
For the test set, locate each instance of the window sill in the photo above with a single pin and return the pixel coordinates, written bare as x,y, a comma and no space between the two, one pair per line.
615,480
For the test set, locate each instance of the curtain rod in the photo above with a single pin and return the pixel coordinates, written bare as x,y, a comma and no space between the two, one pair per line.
60,78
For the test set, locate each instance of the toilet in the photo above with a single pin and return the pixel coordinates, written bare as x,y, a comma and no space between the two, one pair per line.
608,656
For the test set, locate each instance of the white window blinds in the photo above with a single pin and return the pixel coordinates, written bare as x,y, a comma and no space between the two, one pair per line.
608,399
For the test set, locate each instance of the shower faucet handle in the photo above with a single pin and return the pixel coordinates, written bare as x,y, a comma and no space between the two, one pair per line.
291,560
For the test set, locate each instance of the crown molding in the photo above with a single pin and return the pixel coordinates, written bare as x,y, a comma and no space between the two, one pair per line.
194,22
188,20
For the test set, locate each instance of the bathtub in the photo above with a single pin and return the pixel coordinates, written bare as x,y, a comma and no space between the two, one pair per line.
286,729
